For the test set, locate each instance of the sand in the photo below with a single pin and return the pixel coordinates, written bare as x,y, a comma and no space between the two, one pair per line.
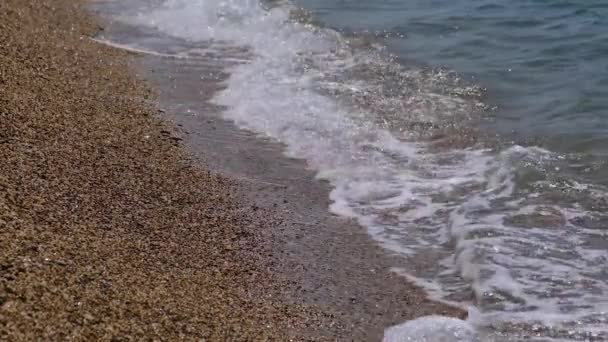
106,229
112,228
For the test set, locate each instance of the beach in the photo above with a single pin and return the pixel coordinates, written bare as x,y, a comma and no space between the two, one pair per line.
107,230
116,224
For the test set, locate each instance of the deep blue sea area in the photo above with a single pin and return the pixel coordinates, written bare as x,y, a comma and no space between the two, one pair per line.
543,62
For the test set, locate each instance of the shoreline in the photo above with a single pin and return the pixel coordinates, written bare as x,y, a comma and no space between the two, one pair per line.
331,262
111,227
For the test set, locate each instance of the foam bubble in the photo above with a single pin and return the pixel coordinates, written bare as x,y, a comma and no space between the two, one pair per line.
431,329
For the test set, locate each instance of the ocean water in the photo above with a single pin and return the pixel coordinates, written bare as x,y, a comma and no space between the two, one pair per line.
543,61
467,137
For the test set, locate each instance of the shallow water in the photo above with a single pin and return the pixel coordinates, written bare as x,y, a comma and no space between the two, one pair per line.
516,231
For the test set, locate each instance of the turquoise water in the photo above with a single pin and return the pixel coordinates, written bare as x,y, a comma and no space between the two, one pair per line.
544,63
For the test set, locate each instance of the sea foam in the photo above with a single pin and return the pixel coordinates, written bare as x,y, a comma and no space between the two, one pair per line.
431,329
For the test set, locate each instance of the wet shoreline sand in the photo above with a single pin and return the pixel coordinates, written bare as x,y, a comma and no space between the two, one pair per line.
109,229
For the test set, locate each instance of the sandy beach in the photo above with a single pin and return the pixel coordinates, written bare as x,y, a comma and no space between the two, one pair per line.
116,224
106,229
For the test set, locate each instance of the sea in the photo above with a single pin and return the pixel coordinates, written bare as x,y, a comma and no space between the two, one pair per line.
468,134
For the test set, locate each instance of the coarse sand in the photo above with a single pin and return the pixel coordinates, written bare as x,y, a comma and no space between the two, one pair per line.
107,231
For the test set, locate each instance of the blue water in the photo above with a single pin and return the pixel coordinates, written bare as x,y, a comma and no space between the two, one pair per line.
543,62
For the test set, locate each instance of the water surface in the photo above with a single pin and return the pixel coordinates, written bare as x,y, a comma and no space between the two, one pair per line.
543,62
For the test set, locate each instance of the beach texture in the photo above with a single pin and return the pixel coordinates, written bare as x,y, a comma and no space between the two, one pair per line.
106,229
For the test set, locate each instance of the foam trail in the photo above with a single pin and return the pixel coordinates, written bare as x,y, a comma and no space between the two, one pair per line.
431,329
136,50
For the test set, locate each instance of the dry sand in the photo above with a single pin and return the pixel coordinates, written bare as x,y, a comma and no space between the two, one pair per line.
109,231
106,230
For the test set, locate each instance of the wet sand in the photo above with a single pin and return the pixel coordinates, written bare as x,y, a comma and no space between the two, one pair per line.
109,228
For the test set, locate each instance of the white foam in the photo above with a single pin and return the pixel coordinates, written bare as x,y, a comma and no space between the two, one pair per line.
431,329
201,19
